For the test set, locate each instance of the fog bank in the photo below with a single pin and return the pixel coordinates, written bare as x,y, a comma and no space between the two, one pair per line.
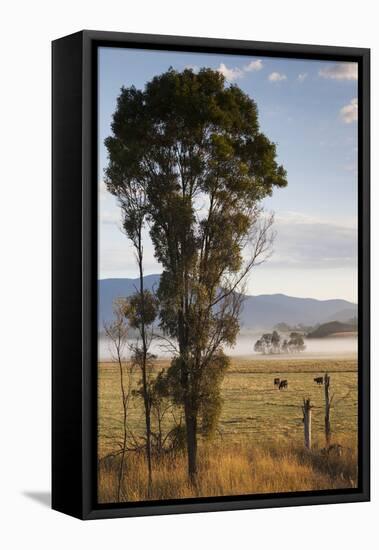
336,346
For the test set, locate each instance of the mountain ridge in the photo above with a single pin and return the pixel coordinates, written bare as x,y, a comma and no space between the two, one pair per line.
259,311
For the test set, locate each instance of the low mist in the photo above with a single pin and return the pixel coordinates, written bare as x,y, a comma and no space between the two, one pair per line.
333,346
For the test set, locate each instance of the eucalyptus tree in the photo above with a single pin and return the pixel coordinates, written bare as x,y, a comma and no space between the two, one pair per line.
193,144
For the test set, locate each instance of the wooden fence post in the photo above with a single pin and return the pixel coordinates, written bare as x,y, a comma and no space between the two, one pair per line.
307,419
328,402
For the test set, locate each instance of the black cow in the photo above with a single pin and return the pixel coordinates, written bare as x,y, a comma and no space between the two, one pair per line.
283,384
276,381
319,380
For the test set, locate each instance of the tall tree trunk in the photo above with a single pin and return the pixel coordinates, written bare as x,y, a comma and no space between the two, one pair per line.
190,414
191,432
146,396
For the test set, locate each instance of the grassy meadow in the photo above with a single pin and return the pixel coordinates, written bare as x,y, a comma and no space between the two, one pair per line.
258,446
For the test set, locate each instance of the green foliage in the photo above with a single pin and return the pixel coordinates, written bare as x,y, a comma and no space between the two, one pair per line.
141,308
211,400
160,404
208,401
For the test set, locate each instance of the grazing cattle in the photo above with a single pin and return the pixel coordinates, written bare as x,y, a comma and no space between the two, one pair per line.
319,380
276,381
283,384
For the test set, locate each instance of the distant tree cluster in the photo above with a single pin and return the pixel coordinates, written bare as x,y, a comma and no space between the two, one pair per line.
272,343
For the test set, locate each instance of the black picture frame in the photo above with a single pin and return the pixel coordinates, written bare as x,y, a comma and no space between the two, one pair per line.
74,272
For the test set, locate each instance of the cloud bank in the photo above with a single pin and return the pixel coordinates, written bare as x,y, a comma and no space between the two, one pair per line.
233,73
340,71
309,243
277,77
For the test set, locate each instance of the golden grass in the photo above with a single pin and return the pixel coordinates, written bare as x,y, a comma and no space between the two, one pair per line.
259,443
236,470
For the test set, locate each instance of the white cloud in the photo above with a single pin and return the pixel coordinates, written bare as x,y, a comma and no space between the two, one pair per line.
277,77
302,76
349,113
256,65
231,73
294,217
340,71
307,242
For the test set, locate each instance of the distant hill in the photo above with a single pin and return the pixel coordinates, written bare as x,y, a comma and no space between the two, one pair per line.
344,316
269,310
335,327
264,311
110,289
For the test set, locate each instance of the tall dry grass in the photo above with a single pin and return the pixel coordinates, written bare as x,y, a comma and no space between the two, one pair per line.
235,470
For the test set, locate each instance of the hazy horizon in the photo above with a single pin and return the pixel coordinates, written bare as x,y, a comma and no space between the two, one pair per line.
253,295
244,347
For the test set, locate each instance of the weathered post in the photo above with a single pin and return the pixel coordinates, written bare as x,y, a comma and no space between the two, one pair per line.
328,402
307,419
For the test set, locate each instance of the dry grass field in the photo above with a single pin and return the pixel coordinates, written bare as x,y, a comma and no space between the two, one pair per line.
258,447
234,470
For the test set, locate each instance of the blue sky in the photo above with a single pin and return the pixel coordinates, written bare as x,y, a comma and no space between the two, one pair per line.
309,109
